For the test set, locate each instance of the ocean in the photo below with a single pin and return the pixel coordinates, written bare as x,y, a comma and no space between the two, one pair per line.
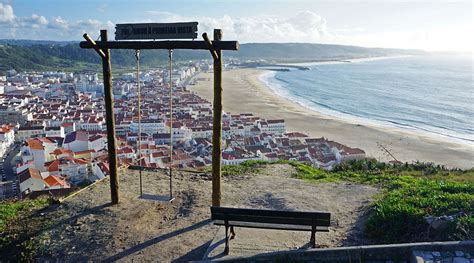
429,94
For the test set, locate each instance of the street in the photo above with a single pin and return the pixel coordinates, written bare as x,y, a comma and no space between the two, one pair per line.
6,166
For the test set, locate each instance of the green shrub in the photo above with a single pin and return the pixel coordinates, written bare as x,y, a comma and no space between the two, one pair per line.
411,192
399,215
307,172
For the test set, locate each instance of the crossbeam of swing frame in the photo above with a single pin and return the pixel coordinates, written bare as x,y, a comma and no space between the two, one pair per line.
169,44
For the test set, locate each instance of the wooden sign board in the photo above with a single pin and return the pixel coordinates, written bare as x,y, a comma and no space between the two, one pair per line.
185,30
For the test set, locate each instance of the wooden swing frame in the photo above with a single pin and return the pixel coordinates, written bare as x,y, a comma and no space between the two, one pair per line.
215,47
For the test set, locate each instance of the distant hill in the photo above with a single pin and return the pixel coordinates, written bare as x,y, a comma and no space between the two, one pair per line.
311,52
29,42
52,55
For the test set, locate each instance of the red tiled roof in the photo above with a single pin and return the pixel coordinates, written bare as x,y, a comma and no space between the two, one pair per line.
29,173
59,151
104,167
52,166
35,144
55,181
83,152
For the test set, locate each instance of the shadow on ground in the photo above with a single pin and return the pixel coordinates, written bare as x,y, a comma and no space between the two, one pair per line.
161,238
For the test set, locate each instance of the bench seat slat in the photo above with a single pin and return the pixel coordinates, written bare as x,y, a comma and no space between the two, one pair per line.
271,213
276,219
271,226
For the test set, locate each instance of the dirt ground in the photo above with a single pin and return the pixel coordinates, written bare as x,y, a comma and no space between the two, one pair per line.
87,228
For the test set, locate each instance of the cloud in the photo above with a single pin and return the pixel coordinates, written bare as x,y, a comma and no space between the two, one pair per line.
34,21
308,23
6,13
91,26
58,23
12,26
437,39
305,26
102,8
87,24
66,29
310,27
8,18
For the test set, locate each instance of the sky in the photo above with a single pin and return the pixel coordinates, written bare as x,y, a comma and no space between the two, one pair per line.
436,25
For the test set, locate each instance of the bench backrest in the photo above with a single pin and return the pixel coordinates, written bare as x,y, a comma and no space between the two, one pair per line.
271,216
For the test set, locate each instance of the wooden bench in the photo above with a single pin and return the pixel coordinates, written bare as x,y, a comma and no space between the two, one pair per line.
269,219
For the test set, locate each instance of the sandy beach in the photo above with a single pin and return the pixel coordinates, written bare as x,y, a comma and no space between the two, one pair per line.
244,92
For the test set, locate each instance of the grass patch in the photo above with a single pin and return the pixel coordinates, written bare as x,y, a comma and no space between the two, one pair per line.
416,169
399,216
11,209
411,193
251,166
307,172
17,223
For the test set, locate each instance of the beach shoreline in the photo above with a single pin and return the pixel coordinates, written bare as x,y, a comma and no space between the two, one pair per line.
244,92
344,117
349,60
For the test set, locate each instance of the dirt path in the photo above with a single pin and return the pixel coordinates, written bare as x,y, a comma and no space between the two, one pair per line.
85,227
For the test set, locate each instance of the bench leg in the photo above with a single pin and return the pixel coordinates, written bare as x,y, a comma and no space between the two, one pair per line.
226,250
232,233
313,239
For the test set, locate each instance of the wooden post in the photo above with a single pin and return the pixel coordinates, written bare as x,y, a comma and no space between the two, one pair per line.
110,118
217,125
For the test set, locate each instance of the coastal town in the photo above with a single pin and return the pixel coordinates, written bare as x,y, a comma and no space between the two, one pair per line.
53,129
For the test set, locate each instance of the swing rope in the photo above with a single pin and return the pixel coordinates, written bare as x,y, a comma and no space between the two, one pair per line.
170,56
137,56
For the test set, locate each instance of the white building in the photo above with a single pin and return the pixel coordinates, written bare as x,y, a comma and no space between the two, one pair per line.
231,159
201,132
54,132
76,141
148,126
74,170
100,170
14,115
181,134
26,132
7,137
97,142
276,126
39,151
30,180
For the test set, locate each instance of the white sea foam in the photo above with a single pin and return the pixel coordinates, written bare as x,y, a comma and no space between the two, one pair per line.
342,61
269,80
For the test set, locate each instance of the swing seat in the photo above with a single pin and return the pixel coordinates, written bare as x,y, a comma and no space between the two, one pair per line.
159,198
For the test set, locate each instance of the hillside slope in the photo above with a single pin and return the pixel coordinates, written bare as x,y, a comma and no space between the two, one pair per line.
86,228
60,56
370,203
